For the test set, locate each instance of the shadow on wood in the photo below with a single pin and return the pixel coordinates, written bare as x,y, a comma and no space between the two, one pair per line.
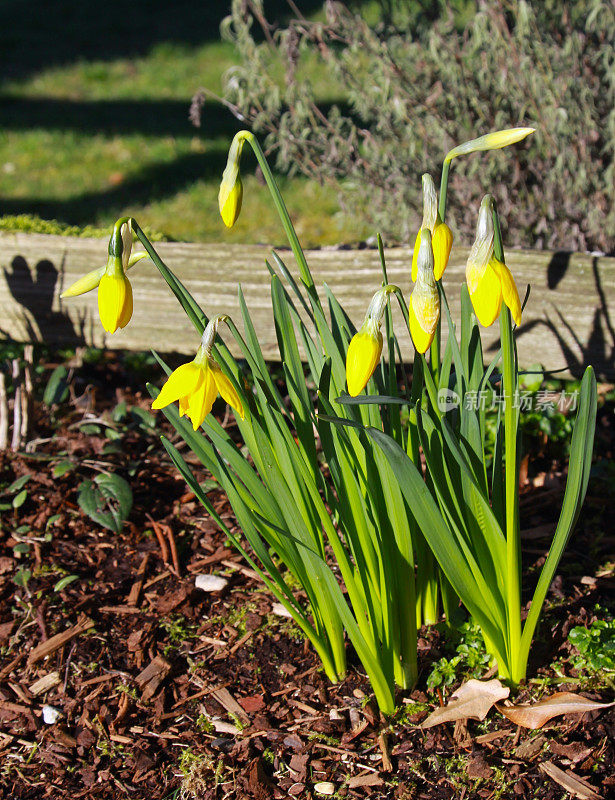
566,324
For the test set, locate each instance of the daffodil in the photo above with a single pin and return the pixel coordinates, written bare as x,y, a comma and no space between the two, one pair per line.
489,280
424,306
230,194
442,237
365,347
114,289
197,384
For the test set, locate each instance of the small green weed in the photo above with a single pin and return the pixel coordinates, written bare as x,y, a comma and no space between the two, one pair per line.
471,659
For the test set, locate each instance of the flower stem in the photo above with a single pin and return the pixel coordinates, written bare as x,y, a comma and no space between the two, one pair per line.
289,228
513,550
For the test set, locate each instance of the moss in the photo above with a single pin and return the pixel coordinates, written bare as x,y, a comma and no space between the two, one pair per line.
29,223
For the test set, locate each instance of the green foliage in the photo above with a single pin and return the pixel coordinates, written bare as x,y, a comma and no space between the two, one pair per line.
595,646
470,660
107,500
415,81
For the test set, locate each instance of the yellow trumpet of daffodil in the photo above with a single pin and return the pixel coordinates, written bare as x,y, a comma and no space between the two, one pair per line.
365,347
442,236
197,384
230,194
424,306
114,289
489,280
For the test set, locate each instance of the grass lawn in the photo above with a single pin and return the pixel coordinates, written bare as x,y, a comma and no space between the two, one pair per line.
94,124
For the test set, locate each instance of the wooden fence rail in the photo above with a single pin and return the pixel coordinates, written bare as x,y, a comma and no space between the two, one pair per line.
567,322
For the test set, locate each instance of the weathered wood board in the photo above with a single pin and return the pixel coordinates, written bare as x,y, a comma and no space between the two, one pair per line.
567,321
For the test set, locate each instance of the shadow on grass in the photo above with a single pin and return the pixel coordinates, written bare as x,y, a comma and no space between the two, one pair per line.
115,117
153,183
37,34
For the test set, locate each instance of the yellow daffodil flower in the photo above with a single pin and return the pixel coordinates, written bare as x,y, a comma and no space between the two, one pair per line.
365,347
230,194
442,237
197,384
489,280
114,289
362,358
424,306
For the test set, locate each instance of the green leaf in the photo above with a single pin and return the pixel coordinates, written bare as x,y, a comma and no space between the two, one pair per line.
64,582
107,500
62,468
581,450
17,485
56,391
20,498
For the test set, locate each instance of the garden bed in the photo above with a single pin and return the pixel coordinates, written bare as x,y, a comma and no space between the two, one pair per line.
165,690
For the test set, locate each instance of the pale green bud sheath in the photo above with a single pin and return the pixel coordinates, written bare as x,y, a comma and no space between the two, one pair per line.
230,194
430,216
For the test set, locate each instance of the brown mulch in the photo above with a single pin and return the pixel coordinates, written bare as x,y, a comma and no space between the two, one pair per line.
166,691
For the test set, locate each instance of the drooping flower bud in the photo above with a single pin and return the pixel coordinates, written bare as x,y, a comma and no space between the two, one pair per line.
424,306
365,347
230,194
489,280
491,141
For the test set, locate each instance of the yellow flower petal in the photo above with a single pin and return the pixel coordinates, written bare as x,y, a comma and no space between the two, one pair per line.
114,302
181,383
442,242
202,400
230,197
362,358
415,255
226,389
509,289
422,339
485,292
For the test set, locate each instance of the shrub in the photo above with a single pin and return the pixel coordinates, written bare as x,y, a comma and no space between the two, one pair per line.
413,83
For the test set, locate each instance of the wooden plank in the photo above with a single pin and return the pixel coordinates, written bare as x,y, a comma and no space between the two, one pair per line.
567,321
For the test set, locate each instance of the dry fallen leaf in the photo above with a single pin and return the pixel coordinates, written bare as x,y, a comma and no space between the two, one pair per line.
472,700
535,715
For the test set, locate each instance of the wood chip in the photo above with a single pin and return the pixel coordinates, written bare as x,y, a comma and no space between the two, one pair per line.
59,640
369,779
570,782
137,586
45,683
383,744
228,702
152,676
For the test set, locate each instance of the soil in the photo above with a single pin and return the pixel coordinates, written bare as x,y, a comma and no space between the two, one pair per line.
166,691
